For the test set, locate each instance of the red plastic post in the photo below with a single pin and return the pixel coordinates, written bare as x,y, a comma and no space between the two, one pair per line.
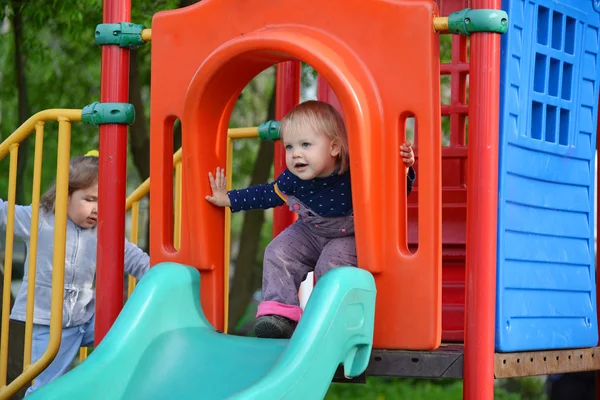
114,87
326,93
287,96
482,200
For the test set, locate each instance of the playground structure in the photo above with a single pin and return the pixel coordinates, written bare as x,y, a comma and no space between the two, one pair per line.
532,113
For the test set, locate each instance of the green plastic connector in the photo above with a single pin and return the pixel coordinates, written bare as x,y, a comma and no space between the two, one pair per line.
269,130
469,21
108,113
124,34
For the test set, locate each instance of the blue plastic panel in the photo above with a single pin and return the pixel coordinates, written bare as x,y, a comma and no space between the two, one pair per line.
546,292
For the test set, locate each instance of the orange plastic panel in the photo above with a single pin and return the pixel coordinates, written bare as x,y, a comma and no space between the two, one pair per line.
381,58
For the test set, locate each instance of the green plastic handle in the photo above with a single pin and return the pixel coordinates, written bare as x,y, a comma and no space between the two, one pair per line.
269,130
123,34
469,21
108,113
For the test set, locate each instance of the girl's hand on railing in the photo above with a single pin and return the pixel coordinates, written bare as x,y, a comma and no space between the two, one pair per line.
408,155
218,185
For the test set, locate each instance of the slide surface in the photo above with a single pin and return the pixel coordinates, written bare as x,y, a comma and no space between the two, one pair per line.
162,347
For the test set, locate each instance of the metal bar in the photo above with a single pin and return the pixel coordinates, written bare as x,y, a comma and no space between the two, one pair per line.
482,195
133,238
232,134
28,126
243,133
33,240
58,263
112,178
146,35
144,188
440,24
137,194
83,353
227,243
287,92
178,194
10,235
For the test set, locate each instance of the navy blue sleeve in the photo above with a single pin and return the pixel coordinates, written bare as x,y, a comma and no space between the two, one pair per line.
259,196
411,176
262,196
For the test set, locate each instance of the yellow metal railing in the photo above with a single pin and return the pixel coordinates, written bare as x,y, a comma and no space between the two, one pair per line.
11,146
232,134
133,203
138,194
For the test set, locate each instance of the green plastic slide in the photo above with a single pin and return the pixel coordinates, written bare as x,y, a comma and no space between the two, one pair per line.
162,346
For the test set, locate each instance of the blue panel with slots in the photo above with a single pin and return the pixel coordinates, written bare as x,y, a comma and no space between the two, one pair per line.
546,291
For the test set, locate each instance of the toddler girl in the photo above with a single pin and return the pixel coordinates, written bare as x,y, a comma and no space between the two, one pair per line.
316,185
80,267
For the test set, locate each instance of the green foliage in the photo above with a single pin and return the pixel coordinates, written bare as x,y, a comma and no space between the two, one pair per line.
62,70
380,388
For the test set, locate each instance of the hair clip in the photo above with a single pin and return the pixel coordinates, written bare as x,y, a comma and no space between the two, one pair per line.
92,153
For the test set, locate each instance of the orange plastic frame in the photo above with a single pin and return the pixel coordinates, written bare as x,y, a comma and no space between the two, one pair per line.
382,60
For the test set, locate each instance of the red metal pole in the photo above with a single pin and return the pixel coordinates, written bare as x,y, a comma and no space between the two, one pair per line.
482,201
326,93
287,96
112,179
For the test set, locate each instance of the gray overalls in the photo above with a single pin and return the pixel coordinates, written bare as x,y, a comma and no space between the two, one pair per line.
313,243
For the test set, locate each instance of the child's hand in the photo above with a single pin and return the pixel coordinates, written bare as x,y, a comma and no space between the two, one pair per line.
407,153
219,191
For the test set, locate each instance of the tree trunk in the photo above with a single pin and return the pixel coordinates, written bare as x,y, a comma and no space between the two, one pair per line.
16,340
248,274
139,137
23,98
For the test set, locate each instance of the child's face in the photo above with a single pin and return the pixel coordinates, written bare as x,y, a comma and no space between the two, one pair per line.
83,207
310,155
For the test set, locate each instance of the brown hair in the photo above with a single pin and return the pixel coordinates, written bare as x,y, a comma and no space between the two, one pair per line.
83,173
324,119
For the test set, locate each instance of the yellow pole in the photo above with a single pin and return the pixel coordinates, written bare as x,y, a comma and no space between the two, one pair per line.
232,134
133,238
33,240
10,229
178,198
58,262
83,353
242,133
228,170
146,35
440,24
144,188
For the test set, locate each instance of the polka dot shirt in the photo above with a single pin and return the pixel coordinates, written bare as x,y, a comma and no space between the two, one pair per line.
328,197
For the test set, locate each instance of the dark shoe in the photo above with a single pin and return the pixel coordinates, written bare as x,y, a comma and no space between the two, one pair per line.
274,327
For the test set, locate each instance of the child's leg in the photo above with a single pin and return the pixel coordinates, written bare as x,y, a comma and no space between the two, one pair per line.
87,339
339,252
288,259
69,346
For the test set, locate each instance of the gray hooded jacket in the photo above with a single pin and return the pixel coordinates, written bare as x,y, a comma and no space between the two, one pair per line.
80,268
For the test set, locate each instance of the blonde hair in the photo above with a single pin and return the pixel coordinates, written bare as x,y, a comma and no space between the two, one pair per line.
324,119
83,173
